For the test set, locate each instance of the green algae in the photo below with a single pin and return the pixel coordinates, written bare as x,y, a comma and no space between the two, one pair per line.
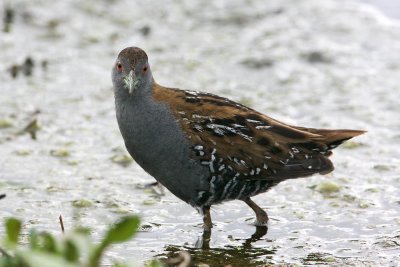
82,203
60,153
123,160
5,123
327,188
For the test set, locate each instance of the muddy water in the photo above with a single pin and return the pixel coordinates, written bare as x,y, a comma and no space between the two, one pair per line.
312,63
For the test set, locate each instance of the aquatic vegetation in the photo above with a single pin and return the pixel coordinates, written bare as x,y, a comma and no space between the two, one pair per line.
71,249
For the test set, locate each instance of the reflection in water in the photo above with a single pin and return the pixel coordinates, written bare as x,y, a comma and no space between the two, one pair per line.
243,255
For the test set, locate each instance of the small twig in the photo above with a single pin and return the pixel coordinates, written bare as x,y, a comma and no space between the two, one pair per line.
61,223
2,196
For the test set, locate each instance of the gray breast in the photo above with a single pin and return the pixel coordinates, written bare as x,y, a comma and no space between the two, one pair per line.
156,142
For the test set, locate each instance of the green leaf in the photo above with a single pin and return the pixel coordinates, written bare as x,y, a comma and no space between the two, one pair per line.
33,239
122,231
71,252
48,242
44,259
117,233
82,242
13,228
11,262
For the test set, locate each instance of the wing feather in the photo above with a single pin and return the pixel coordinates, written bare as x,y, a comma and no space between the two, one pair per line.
239,142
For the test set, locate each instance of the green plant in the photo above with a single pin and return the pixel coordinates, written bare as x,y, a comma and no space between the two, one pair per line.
73,249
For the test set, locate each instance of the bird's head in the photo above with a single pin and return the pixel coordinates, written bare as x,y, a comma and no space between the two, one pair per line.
131,70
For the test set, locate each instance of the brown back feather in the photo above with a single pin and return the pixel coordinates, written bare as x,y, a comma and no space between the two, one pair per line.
247,143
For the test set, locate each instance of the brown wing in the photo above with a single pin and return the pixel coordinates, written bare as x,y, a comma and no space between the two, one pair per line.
236,141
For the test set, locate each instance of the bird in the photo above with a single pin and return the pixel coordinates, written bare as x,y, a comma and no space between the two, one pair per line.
206,149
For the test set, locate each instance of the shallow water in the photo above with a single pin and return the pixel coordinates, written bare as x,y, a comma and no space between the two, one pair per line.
389,7
314,63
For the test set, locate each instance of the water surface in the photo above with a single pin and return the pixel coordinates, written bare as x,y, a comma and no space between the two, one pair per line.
313,63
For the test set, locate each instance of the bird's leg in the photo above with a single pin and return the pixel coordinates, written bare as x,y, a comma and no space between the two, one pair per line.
261,215
206,218
203,241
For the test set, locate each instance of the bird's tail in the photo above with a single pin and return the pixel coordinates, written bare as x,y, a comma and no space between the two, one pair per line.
332,138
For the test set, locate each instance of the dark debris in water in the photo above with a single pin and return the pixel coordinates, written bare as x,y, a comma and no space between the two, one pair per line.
14,70
8,18
319,259
32,128
145,30
146,228
382,167
316,57
242,19
257,63
27,67
389,242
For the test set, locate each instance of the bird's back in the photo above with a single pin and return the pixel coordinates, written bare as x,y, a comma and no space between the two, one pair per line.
234,140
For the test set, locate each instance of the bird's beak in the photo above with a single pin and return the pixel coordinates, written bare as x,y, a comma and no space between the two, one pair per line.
131,81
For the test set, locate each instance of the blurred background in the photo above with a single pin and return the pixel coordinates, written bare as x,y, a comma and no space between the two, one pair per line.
315,63
390,8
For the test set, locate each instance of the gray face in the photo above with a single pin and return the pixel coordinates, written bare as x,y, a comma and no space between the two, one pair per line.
131,71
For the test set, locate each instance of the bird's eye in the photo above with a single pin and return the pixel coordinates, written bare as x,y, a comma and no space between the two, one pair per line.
144,69
119,67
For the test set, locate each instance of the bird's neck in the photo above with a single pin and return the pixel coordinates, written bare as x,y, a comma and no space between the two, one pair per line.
122,96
